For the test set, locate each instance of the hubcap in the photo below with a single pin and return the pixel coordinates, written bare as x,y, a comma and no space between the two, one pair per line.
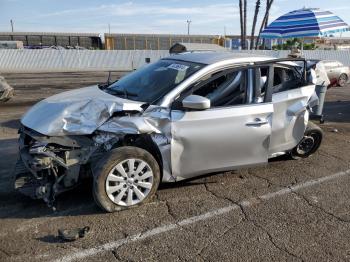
342,80
306,145
129,182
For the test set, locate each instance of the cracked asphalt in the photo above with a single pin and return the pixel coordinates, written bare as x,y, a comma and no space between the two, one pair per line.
275,212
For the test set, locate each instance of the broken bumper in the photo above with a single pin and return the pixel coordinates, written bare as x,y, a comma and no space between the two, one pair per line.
48,166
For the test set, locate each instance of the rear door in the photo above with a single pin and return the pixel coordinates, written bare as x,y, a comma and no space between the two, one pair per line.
290,97
228,135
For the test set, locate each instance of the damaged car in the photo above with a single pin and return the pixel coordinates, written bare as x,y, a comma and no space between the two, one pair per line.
183,116
6,91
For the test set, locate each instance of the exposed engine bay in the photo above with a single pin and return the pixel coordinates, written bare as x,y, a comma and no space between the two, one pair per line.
57,164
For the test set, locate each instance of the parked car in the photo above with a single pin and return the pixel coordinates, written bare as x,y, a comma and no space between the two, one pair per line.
6,91
338,74
178,118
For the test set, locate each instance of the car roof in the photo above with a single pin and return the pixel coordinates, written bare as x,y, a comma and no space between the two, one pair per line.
208,58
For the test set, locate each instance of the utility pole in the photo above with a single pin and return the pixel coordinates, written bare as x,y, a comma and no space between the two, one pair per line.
225,36
109,28
11,21
188,26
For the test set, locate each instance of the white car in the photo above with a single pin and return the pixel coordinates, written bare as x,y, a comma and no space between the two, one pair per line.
338,74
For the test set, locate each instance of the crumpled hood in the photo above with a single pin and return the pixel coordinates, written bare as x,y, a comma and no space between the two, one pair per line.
76,112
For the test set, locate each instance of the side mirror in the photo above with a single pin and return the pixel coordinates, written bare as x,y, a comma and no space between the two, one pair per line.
196,102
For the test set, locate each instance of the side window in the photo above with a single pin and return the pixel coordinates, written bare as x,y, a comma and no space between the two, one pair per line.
225,88
285,79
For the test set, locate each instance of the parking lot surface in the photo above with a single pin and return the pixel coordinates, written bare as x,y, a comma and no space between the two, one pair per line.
285,211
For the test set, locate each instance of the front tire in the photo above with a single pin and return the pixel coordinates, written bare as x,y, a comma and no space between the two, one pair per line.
127,177
309,144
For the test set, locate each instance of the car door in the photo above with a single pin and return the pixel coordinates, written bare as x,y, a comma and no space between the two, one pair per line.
290,100
222,137
331,68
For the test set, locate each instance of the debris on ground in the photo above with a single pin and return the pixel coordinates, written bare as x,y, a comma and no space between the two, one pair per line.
6,91
73,234
334,130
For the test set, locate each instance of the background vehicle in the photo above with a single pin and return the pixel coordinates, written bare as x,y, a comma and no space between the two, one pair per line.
337,73
6,91
178,118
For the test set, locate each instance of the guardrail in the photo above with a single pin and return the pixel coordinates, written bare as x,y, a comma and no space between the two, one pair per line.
47,60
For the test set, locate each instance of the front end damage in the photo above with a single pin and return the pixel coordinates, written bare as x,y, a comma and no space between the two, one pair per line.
63,137
48,166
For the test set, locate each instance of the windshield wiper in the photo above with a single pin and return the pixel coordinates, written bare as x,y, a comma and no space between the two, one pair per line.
123,92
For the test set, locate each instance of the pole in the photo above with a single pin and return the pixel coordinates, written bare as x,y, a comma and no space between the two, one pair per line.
11,21
109,28
225,36
188,26
302,45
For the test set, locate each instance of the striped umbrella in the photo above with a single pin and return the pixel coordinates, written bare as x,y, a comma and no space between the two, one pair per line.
306,22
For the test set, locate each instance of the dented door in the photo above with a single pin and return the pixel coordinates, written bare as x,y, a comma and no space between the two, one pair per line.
219,139
290,118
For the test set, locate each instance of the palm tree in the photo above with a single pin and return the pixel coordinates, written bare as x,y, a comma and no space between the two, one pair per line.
264,22
256,13
245,23
241,22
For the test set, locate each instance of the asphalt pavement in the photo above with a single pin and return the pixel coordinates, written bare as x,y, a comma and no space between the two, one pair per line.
288,210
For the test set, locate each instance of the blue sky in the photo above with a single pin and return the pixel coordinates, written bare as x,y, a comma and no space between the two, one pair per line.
136,16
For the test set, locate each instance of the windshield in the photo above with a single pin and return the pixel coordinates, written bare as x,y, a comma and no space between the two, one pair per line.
152,82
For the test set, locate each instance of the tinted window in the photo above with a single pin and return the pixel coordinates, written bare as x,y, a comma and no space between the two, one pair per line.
151,83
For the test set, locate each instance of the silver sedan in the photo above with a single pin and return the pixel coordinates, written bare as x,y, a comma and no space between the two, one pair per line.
183,116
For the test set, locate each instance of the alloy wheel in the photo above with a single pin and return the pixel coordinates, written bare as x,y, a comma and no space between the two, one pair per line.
129,182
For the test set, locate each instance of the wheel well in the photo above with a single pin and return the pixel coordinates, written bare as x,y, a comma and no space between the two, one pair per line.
145,142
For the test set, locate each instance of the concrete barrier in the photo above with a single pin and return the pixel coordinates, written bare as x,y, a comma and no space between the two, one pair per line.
49,60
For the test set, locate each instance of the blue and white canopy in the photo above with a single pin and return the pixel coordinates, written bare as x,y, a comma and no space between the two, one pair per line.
306,22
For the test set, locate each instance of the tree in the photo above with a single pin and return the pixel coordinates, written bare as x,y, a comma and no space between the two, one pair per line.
294,43
245,24
255,19
241,22
264,22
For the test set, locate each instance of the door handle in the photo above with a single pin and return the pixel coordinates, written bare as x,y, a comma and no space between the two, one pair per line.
258,122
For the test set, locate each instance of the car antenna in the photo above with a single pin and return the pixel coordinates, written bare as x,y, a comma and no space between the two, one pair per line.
109,78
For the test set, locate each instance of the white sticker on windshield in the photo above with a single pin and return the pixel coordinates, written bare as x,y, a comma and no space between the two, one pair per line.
178,67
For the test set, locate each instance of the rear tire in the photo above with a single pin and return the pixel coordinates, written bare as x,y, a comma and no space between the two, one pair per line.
126,177
342,80
309,144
